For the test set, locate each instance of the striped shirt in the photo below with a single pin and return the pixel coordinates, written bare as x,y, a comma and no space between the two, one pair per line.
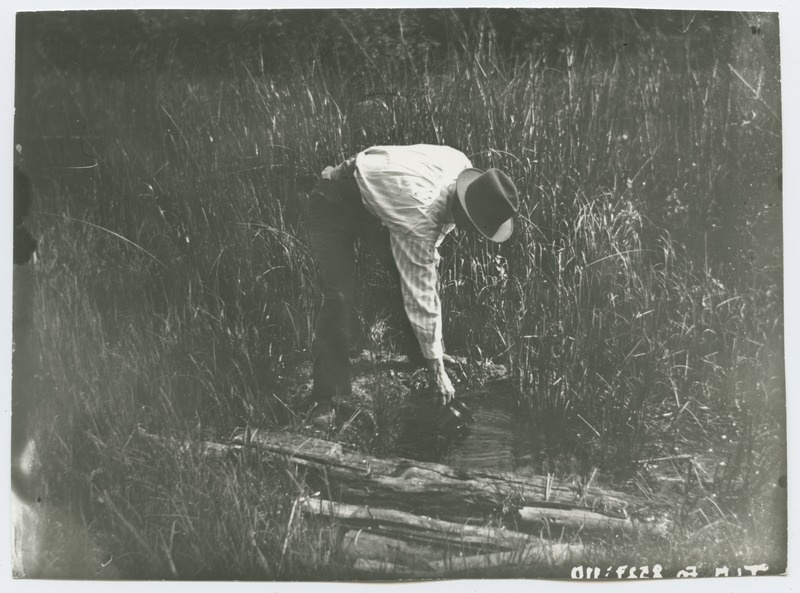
408,189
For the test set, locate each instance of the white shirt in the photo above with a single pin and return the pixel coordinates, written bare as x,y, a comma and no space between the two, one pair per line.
407,188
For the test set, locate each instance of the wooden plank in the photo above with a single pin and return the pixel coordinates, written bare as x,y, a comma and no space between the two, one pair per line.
432,486
365,545
414,526
208,449
362,544
534,554
556,518
380,568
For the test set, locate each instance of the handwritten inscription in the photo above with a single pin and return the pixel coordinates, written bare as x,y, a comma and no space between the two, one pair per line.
656,571
622,571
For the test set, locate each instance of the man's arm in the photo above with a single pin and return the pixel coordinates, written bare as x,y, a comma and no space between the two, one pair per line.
343,171
416,261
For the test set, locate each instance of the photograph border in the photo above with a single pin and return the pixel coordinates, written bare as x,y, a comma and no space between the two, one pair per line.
790,49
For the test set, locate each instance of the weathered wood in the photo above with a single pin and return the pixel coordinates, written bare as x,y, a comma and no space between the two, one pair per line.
427,559
555,518
417,527
199,448
381,568
535,554
361,544
432,486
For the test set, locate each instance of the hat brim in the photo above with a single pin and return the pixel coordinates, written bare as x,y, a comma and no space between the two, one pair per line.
465,178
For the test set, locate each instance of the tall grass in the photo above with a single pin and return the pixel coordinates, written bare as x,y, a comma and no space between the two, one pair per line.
176,287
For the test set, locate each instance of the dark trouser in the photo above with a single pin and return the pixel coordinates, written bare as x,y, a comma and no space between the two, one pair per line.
337,217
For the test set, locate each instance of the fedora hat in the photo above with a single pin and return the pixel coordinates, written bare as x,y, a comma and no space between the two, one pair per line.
489,199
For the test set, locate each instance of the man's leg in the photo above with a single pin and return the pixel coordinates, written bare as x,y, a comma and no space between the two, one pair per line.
331,227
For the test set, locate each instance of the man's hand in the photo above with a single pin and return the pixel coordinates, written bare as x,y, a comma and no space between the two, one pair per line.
440,381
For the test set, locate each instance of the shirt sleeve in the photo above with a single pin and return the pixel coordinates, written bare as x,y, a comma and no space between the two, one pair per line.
342,171
416,260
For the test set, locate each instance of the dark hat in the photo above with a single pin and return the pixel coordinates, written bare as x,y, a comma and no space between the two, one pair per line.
490,201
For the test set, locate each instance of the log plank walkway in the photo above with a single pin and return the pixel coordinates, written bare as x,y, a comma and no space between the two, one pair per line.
410,518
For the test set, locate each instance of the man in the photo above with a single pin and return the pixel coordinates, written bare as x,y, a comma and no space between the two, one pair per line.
409,197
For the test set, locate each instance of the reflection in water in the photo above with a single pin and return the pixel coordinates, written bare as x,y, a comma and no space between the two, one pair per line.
487,445
498,440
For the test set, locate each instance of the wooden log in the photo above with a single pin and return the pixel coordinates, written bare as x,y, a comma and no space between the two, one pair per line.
417,527
556,518
362,544
425,559
432,486
535,554
381,568
199,448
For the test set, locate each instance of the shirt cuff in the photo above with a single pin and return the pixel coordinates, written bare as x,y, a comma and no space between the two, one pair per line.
432,350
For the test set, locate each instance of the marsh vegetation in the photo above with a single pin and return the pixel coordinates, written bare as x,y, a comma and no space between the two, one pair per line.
638,307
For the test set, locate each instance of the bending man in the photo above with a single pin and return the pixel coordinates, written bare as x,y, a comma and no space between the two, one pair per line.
401,201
